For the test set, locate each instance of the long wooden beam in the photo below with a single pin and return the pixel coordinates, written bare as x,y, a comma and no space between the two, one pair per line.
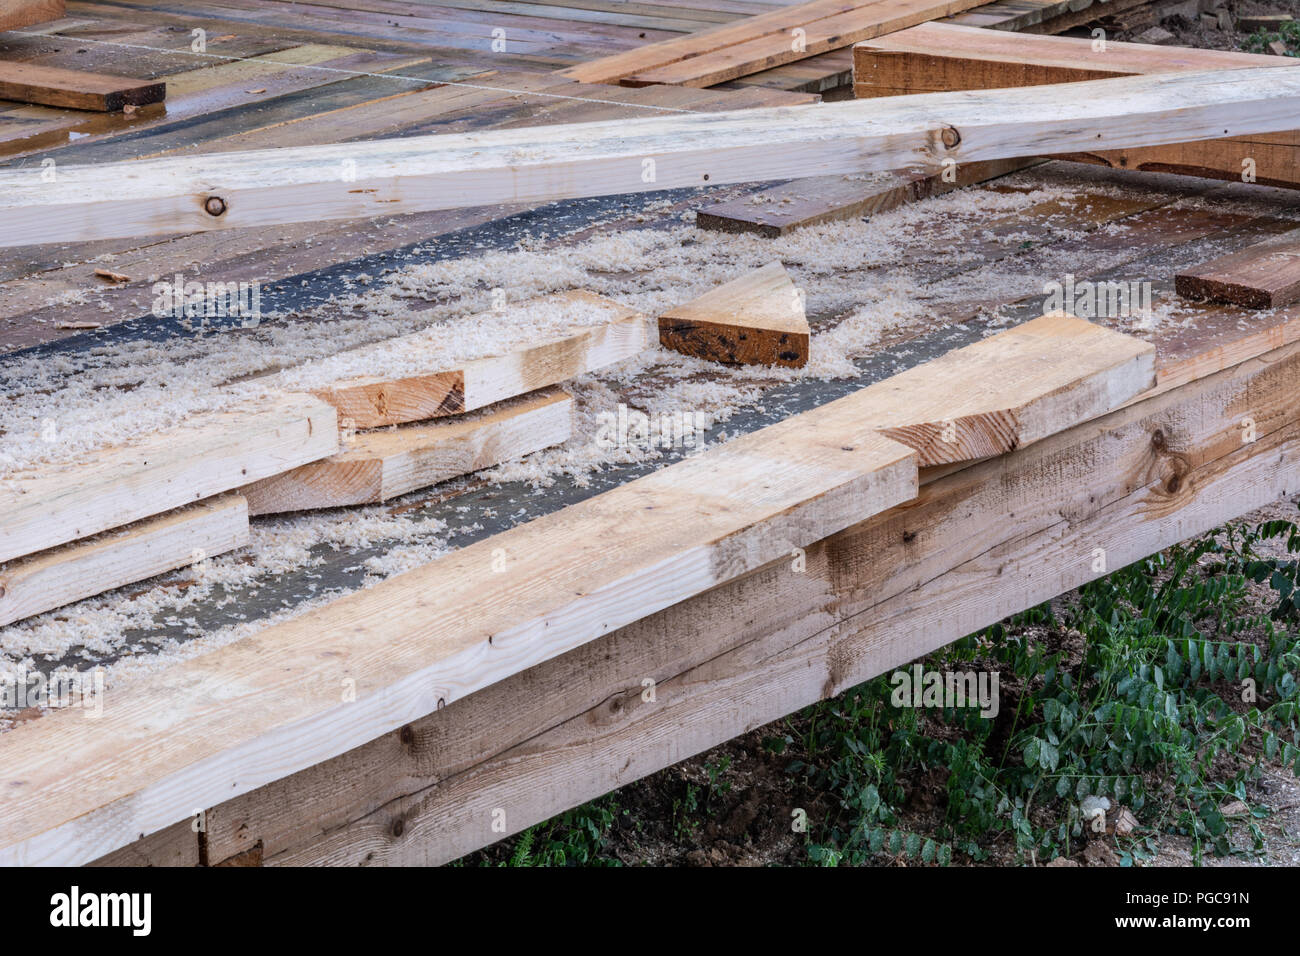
315,686
388,177
940,57
978,544
25,13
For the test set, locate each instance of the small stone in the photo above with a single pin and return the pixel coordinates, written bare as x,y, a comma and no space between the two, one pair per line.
1224,19
1099,853
1063,861
1277,48
1125,822
1234,809
1209,21
1154,35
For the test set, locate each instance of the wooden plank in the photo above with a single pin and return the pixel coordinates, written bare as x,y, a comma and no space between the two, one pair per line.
756,319
1262,276
977,545
940,57
24,13
936,57
142,550
73,89
371,401
436,634
807,202
377,466
527,166
212,453
820,36
611,69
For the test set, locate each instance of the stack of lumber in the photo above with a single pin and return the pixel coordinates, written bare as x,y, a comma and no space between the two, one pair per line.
938,57
128,513
431,636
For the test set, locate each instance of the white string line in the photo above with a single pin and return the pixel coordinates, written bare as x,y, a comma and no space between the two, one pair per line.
334,69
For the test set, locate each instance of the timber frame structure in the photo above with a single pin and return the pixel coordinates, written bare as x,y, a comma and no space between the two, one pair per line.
845,533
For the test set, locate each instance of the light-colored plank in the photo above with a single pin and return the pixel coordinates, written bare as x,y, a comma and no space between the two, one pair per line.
204,457
937,57
370,401
1262,276
139,551
819,36
376,466
231,190
15,14
73,89
808,202
315,686
756,319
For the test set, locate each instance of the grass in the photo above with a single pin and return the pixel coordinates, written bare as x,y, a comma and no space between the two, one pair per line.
1163,687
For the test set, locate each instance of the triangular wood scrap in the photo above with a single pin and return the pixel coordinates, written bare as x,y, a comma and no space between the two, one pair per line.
757,319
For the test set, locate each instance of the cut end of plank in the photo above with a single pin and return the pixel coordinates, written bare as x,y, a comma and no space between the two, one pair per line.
1016,388
757,319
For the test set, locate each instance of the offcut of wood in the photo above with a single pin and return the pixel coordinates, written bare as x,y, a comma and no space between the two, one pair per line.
142,550
808,202
372,401
73,89
430,636
757,319
379,465
1263,276
396,176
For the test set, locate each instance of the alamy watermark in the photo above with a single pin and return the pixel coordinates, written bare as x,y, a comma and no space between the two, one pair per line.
22,689
1101,300
630,428
177,299
917,687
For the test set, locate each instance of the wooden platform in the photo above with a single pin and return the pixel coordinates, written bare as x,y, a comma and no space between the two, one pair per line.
735,637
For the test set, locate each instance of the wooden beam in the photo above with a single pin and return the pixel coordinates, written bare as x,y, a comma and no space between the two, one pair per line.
977,545
1263,276
756,319
317,685
25,13
139,551
377,466
204,457
234,190
938,57
371,401
73,89
819,36
808,202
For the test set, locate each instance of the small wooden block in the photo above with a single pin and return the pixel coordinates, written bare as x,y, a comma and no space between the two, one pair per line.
1262,276
73,89
757,319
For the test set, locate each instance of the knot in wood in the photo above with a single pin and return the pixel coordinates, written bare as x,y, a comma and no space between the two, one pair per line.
214,206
